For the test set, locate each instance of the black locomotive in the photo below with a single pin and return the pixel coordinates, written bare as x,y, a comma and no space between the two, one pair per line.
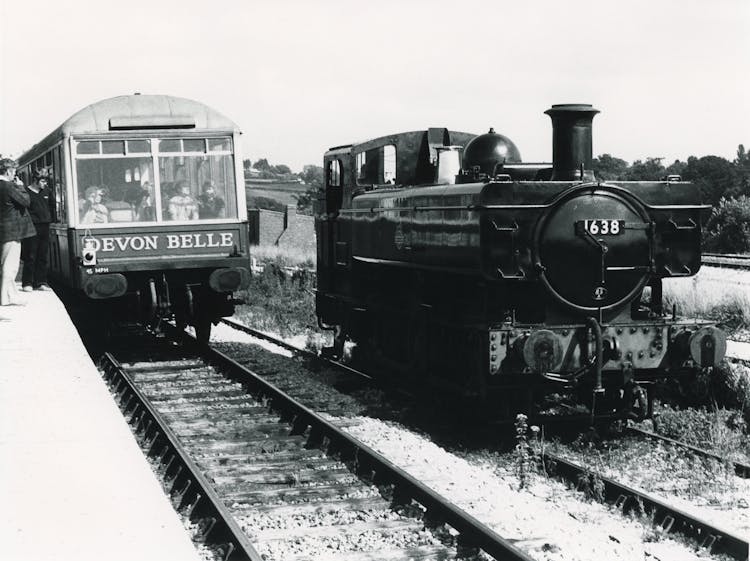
451,262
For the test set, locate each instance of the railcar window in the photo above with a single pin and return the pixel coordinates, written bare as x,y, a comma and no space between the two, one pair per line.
169,145
113,147
197,187
117,189
87,147
139,146
58,185
219,145
193,145
118,181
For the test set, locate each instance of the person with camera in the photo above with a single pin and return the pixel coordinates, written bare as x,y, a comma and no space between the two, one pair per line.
15,225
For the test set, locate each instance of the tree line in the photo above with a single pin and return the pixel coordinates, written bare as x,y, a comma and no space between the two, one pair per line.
723,184
716,177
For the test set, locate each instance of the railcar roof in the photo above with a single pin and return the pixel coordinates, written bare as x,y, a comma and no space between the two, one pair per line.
140,110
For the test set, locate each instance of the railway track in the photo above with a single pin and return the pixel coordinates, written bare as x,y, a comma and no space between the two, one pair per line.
256,463
740,469
726,260
625,498
668,517
189,489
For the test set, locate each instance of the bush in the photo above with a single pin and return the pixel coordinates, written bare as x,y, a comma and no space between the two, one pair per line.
720,430
728,228
265,203
280,301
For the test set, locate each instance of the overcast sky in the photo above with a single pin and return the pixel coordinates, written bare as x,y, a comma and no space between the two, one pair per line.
670,77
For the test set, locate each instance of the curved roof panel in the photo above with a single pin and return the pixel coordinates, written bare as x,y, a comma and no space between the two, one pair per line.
136,112
98,116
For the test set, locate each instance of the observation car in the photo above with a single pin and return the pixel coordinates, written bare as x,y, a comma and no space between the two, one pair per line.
458,267
149,208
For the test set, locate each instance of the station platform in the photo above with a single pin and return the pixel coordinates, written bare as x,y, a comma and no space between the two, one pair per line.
74,484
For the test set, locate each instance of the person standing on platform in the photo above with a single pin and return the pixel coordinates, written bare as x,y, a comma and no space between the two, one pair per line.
35,249
15,225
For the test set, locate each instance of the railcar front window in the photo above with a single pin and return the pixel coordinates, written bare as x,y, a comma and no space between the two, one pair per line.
115,190
195,187
124,181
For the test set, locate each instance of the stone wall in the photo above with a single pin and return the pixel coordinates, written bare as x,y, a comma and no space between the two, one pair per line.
285,229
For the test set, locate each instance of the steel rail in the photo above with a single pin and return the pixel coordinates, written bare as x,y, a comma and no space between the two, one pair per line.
740,469
668,517
296,350
368,463
187,485
624,497
726,261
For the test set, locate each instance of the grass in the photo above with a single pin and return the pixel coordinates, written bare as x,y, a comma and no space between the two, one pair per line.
706,296
282,256
281,299
722,431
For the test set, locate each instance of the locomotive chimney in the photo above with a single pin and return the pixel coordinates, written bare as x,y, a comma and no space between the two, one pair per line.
571,140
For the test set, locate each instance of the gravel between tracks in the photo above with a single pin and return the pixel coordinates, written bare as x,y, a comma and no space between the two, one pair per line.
546,519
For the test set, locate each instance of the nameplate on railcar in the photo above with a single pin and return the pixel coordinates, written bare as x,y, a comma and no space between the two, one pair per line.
126,243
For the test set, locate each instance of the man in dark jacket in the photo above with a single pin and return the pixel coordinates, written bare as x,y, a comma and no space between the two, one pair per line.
35,249
15,225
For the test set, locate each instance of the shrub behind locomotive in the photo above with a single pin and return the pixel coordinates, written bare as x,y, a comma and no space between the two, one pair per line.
509,280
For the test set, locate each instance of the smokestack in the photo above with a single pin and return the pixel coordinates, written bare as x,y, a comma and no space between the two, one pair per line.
571,140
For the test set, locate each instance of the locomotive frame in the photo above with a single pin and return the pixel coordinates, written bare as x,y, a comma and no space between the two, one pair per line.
457,267
134,258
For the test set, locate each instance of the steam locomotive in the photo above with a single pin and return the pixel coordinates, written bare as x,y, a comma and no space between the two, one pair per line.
460,268
149,218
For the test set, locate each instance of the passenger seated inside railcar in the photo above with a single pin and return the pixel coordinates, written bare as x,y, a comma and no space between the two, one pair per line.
90,209
119,209
182,206
210,205
140,199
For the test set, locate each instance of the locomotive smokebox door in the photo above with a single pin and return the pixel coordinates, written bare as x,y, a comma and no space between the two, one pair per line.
593,247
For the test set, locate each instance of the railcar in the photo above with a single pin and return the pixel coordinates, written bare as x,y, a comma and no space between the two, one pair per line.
149,209
458,267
